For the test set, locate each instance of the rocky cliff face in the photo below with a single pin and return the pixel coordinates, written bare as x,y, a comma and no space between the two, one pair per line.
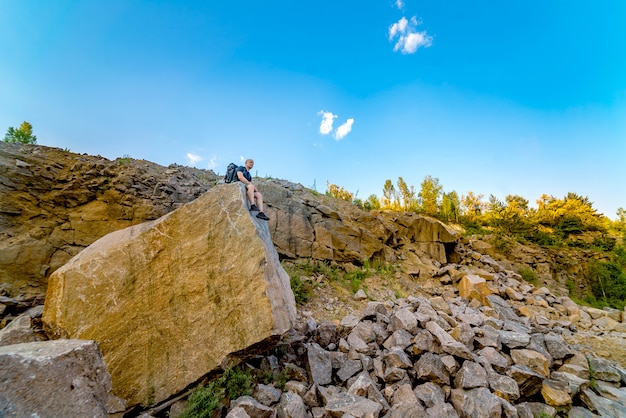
55,203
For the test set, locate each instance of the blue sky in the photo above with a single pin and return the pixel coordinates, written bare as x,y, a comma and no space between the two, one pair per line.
516,97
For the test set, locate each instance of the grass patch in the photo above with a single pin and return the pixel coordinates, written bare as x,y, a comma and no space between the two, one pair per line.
302,290
528,275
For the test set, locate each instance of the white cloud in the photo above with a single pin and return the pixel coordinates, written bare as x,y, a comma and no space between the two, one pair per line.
212,162
409,39
326,126
344,129
193,159
399,4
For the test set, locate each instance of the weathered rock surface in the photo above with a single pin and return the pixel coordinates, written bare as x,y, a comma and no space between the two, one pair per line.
55,203
172,299
62,378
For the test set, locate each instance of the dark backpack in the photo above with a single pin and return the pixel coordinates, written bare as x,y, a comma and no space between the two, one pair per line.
231,173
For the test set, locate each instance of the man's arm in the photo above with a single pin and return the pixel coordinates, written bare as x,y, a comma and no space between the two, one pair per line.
242,178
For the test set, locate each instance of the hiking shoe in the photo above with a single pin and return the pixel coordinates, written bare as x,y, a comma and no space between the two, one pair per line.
263,216
254,208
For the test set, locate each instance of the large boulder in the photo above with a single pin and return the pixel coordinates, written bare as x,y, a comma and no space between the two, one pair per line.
173,299
61,378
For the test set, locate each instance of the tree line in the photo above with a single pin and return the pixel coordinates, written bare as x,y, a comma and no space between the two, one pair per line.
551,220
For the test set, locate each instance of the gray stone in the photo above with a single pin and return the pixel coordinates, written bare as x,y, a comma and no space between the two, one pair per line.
423,342
326,333
253,407
394,374
448,344
400,338
266,394
504,386
604,407
574,382
349,369
494,358
318,365
528,381
19,331
357,406
476,403
471,375
373,308
404,319
441,410
237,412
429,367
513,339
602,369
580,412
557,346
296,386
291,405
396,357
64,378
430,394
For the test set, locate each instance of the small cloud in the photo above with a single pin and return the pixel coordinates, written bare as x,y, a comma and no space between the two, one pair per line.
409,39
193,159
344,129
400,4
212,162
326,126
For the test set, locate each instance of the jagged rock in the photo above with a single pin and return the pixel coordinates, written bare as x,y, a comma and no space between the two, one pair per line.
449,344
430,394
357,406
20,331
534,360
514,339
441,410
349,369
237,412
471,375
267,394
405,404
476,403
604,407
574,382
503,386
472,286
603,370
429,367
63,378
291,405
319,365
252,407
555,393
528,381
153,293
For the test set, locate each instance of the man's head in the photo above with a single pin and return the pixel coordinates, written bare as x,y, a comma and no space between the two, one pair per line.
249,163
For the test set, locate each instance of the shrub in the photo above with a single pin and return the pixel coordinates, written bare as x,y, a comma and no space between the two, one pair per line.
203,401
528,275
301,289
608,283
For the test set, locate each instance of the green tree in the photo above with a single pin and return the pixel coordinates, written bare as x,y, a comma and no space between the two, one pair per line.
388,201
429,195
407,194
473,205
22,135
372,202
338,192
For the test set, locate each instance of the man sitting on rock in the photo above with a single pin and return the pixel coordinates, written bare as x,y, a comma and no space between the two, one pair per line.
243,175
